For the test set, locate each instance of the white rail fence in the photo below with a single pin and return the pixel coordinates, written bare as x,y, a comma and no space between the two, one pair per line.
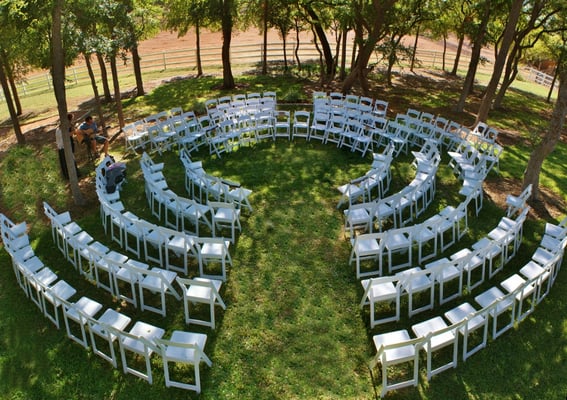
541,78
241,55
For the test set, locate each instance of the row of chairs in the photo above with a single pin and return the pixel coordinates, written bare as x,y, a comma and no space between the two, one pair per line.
438,233
164,130
531,285
352,104
177,209
347,121
465,268
134,281
250,103
376,179
161,245
469,161
400,207
449,134
85,315
208,187
164,246
357,217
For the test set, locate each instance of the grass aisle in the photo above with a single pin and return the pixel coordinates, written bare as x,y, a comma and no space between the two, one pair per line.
292,328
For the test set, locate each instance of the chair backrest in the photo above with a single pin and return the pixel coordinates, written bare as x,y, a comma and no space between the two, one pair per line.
380,108
394,279
221,204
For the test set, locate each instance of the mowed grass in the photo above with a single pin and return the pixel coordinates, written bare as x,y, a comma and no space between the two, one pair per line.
293,328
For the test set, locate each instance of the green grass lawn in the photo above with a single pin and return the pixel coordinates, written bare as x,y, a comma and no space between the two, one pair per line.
293,328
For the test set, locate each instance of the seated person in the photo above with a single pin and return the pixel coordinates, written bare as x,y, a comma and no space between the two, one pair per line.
89,129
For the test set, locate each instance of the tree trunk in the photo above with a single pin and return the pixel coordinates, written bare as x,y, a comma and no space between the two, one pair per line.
329,72
458,55
58,74
507,39
550,140
510,74
339,41
444,51
15,95
14,89
392,57
552,86
137,70
296,50
95,90
227,77
475,59
414,49
265,38
9,102
198,49
321,64
117,94
358,73
284,40
357,39
104,78
343,55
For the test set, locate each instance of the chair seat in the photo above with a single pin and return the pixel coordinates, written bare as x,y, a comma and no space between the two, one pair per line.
365,247
400,353
380,291
85,306
431,326
461,312
183,354
141,329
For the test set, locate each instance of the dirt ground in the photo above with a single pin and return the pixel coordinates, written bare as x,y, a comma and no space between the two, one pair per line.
41,131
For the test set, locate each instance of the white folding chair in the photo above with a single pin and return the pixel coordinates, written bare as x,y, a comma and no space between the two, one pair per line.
178,248
140,341
107,327
225,215
497,304
213,250
79,312
282,124
518,203
444,272
301,124
418,282
203,291
239,196
400,242
437,335
366,247
473,321
55,294
473,263
156,282
183,348
523,291
395,348
383,290
131,278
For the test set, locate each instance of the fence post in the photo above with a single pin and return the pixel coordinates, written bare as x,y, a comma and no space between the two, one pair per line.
48,80
164,62
75,75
